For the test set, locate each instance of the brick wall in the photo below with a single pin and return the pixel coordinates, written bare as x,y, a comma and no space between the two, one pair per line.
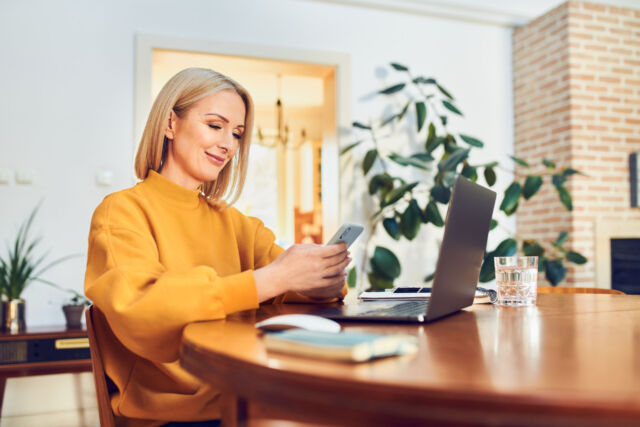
577,102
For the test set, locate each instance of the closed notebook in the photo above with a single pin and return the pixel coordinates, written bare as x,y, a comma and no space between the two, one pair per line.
347,346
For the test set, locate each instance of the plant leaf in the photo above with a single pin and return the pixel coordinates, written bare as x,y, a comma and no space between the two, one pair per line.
532,248
454,159
408,161
378,181
352,277
424,80
565,197
360,126
397,193
404,110
507,247
410,220
444,92
399,67
548,163
562,238
429,277
369,158
555,271
472,141
386,262
379,283
393,89
493,225
440,194
558,180
421,114
570,171
433,143
531,186
388,120
469,171
489,176
576,258
487,271
423,157
392,227
511,197
350,147
449,106
433,214
520,161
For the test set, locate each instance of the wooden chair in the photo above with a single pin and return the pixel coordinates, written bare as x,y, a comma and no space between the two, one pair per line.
573,290
99,377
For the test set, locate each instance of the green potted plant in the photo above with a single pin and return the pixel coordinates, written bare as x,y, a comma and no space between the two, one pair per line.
18,268
409,189
74,309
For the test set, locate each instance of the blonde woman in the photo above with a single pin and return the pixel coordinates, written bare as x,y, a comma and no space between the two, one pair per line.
170,251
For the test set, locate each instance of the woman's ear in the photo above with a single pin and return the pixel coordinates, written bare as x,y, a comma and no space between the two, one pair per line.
169,132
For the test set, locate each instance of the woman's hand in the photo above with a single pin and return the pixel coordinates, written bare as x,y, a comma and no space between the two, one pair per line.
315,271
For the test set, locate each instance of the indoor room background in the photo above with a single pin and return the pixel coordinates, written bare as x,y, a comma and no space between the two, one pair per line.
75,88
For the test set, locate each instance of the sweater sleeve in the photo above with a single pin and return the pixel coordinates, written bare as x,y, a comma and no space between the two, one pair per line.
146,305
266,251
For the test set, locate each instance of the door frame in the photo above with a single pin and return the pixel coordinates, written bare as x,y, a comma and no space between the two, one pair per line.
330,187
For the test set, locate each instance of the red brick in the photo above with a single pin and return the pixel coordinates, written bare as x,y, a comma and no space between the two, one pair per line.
595,47
593,7
622,70
607,19
609,119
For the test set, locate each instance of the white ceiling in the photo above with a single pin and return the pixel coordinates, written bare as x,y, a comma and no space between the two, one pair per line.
510,13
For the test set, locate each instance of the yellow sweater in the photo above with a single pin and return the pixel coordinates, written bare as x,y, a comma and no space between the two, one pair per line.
159,258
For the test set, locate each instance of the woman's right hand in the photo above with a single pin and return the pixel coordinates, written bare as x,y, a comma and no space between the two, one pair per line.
313,270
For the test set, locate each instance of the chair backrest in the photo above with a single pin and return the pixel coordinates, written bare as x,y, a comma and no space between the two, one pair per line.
99,376
574,290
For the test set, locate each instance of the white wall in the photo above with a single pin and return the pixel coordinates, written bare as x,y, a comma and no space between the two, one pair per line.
66,92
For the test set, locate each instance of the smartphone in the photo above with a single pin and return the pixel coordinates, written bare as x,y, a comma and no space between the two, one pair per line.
347,233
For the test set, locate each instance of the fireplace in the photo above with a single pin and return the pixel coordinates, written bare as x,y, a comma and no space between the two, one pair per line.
625,265
617,255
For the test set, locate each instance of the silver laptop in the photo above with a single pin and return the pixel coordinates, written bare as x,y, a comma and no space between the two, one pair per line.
458,268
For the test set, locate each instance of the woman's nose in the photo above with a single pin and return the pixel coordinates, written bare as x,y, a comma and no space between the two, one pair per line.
226,142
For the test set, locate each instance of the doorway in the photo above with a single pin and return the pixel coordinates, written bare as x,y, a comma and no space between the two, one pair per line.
293,180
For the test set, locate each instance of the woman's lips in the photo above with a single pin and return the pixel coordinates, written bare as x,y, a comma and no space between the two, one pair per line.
216,160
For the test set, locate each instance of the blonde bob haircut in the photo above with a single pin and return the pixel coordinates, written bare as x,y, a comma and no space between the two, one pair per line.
179,94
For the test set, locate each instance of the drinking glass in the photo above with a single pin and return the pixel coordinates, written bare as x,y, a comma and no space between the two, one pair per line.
516,280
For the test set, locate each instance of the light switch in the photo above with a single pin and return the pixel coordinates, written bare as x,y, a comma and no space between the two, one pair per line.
104,178
5,176
25,176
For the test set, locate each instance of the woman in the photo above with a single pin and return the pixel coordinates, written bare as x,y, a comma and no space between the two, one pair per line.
170,251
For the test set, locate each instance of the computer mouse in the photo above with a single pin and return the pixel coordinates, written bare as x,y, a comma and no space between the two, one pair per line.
300,321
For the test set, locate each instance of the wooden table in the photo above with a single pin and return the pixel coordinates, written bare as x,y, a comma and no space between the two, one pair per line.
34,352
570,360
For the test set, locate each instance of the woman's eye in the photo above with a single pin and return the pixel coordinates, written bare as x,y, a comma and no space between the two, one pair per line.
237,136
215,127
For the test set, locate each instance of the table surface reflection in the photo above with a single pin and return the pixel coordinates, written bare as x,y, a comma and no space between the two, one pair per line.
570,359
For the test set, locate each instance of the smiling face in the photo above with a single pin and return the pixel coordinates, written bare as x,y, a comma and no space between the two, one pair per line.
204,139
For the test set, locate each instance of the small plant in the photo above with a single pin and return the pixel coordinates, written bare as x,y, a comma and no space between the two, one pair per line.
21,267
77,298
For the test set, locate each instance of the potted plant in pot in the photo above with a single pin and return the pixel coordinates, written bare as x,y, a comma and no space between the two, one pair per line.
74,309
18,268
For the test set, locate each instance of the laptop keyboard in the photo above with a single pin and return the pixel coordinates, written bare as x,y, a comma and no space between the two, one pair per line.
409,308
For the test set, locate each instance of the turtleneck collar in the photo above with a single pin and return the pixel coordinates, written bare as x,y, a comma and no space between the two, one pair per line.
172,191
